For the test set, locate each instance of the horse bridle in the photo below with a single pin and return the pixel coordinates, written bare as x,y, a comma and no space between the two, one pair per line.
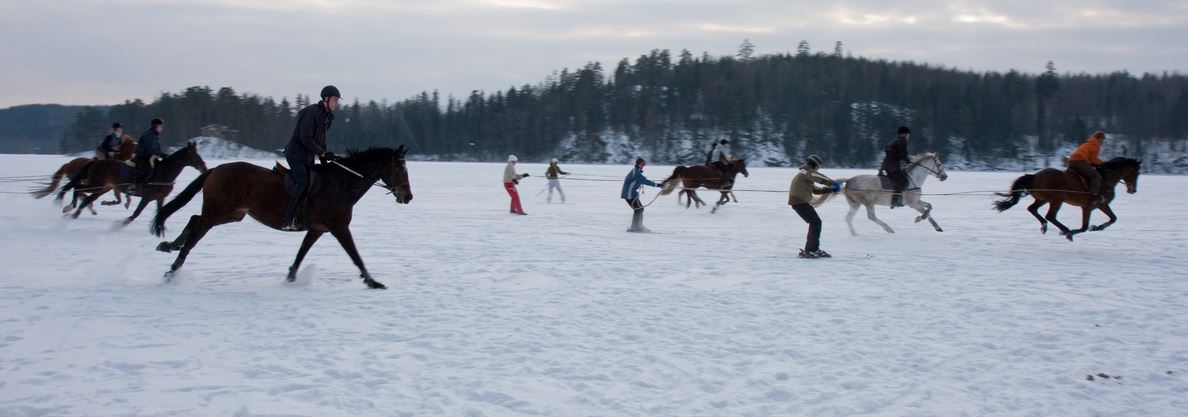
935,172
391,188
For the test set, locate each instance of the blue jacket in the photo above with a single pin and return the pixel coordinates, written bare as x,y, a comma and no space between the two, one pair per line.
634,180
149,145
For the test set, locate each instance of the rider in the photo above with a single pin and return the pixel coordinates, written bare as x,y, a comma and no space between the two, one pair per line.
308,140
800,194
510,179
631,184
894,160
553,174
1084,161
719,156
111,143
148,151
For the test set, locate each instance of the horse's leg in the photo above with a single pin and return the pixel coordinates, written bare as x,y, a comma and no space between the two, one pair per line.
343,234
181,237
1108,212
925,209
139,208
725,198
310,237
88,201
850,217
1053,208
1086,212
117,200
1034,209
194,232
733,196
870,215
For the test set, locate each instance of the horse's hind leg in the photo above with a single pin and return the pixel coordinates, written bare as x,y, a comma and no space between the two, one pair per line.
139,208
195,231
1034,209
1085,213
310,237
1108,212
871,215
1054,208
181,237
850,217
87,202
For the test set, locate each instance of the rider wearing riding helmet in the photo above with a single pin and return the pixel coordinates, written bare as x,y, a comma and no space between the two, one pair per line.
1085,161
895,159
308,140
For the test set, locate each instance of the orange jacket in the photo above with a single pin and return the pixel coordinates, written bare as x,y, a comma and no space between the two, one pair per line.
1087,151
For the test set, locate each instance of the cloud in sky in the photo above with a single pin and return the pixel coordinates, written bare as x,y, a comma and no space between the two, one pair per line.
102,52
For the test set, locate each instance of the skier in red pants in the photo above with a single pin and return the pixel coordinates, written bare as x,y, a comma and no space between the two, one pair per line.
510,179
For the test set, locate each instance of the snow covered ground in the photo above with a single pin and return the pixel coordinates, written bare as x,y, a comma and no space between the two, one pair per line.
562,313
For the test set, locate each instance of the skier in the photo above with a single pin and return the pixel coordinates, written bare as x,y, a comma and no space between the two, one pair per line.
111,143
1084,161
308,140
553,174
510,179
800,193
895,159
631,184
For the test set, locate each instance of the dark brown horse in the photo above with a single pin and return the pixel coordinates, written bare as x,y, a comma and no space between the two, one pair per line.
99,177
1055,187
708,176
232,191
71,169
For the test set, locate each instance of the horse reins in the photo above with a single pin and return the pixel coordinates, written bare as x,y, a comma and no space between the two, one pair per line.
391,189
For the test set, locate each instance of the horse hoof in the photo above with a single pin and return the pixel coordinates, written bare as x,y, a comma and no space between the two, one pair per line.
375,285
169,276
164,247
919,219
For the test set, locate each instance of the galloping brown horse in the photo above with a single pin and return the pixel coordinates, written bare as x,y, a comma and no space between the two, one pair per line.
232,191
98,177
1055,187
708,176
71,169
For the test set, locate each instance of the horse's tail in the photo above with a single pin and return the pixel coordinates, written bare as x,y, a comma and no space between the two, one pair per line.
820,200
80,179
53,184
1018,189
158,226
670,183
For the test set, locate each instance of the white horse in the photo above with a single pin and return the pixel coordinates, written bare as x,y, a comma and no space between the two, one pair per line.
867,190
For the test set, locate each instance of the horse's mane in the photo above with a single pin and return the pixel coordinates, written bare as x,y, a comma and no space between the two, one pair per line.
1122,162
920,157
370,153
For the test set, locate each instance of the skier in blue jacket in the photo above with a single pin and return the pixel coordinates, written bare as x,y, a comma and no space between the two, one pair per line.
631,184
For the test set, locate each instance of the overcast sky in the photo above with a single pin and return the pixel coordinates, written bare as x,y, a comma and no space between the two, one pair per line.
103,52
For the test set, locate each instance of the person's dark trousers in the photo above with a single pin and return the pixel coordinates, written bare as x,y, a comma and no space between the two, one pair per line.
144,169
637,216
900,181
809,214
300,173
1085,169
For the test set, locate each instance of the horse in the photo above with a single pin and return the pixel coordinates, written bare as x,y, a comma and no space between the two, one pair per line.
868,191
232,191
71,169
1055,187
101,176
708,176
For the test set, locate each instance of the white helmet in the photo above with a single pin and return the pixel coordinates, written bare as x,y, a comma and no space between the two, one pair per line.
512,158
554,160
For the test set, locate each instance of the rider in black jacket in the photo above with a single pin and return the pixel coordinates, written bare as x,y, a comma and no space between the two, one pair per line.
895,158
308,141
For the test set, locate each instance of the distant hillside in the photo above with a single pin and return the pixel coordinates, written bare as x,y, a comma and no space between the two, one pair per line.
36,128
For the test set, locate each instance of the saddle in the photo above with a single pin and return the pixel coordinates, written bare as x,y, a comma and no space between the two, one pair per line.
314,177
1069,172
885,181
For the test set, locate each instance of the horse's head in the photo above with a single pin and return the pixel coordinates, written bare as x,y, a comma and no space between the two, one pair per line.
1127,169
188,156
395,177
932,163
739,165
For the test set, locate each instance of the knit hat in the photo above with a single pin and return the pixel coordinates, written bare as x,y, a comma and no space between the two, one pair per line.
813,159
554,160
117,125
904,129
512,158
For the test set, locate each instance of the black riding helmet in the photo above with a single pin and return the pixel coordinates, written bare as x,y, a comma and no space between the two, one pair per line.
117,125
904,129
814,160
330,91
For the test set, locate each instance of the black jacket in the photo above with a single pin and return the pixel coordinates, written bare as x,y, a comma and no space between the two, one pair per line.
309,136
894,153
149,145
111,143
